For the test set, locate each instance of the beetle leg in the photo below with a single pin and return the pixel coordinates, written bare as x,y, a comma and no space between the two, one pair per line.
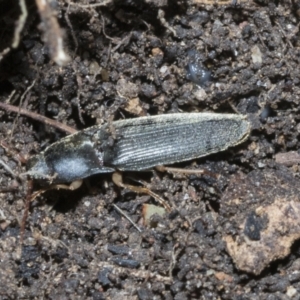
73,186
118,180
185,171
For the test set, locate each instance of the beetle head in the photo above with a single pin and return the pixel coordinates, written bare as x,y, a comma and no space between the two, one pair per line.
37,168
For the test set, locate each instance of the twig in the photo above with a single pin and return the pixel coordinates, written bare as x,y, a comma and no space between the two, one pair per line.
20,23
79,91
126,216
124,41
4,52
104,32
103,3
52,33
15,155
71,29
18,29
10,96
7,168
283,33
38,117
161,18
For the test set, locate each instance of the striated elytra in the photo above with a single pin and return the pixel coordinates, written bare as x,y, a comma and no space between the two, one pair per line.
137,144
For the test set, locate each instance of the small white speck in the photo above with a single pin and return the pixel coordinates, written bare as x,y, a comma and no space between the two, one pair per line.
260,164
186,197
291,291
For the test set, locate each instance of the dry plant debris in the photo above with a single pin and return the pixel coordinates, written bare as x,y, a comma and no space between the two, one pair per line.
219,2
53,35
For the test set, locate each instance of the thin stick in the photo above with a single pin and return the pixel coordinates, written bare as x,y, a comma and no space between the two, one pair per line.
4,52
126,216
105,2
20,23
53,35
72,30
16,156
185,171
7,168
38,117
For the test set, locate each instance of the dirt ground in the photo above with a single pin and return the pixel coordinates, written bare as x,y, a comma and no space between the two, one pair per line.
232,237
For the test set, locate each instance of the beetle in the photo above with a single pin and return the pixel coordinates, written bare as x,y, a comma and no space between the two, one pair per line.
137,144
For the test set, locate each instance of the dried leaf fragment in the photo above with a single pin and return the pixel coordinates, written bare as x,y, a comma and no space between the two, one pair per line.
150,210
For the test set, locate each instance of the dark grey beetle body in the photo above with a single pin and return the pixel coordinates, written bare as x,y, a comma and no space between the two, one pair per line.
137,144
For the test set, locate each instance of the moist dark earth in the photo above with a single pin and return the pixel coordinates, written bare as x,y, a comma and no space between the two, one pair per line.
234,232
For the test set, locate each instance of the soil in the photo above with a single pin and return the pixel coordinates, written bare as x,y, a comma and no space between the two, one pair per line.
231,237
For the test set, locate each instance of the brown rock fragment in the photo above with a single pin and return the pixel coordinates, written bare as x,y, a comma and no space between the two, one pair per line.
134,106
264,218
